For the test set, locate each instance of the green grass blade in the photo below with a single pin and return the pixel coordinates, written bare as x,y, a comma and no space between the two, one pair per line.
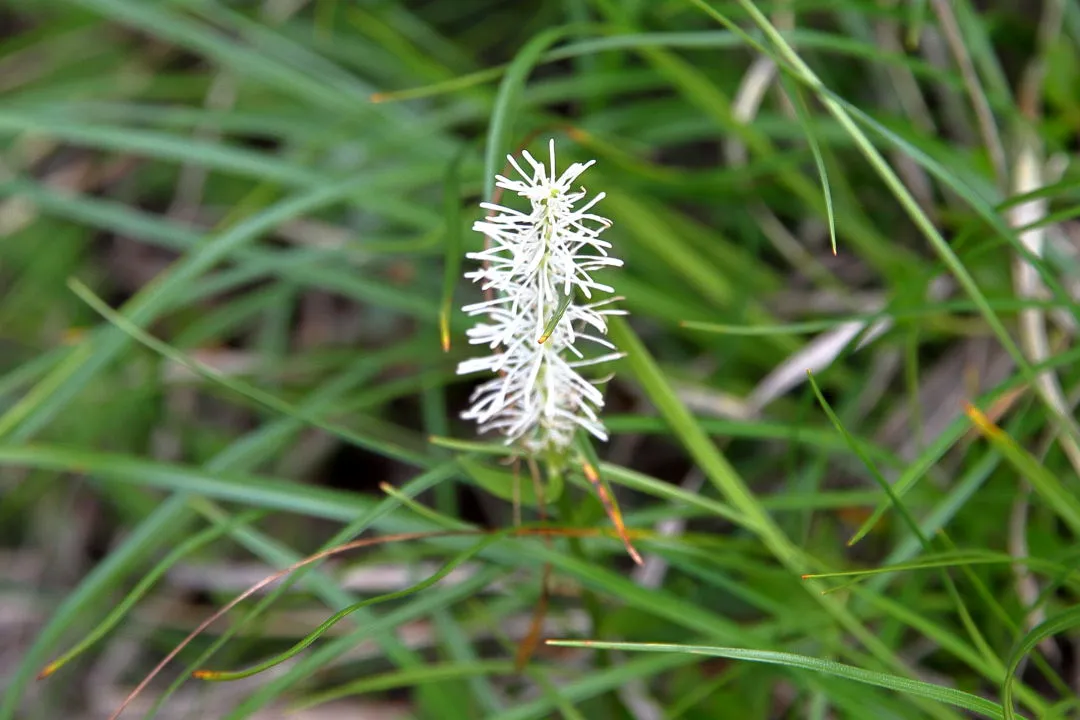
803,113
162,146
959,558
255,491
869,464
907,686
473,446
1061,622
686,40
501,483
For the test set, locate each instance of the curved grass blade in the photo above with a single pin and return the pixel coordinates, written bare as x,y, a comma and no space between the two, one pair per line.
796,433
224,675
1057,624
916,688
660,489
189,546
462,82
803,113
907,313
322,655
588,686
702,39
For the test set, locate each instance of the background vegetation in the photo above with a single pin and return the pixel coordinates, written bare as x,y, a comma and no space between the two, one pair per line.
226,231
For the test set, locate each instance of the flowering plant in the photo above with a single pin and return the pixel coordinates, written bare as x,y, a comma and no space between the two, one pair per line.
533,267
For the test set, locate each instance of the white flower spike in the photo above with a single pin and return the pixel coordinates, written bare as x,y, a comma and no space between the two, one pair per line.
535,263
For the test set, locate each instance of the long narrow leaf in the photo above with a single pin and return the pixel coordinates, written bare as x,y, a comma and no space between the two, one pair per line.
1059,623
916,688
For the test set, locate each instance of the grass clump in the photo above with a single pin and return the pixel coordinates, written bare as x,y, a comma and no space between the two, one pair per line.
233,246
